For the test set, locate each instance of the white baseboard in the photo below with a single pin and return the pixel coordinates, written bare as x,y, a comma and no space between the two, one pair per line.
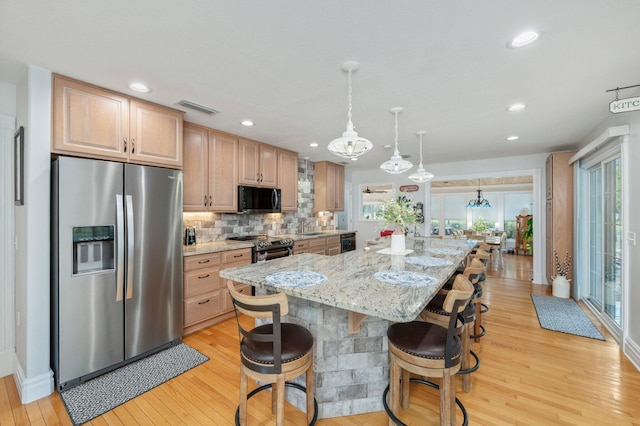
7,361
632,351
33,388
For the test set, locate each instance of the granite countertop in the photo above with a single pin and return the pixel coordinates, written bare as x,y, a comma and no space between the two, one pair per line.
213,247
216,246
350,283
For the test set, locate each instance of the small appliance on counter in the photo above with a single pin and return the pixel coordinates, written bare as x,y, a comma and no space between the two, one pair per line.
190,236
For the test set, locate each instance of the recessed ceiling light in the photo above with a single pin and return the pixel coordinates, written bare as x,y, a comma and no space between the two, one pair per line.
139,87
513,138
313,144
524,39
516,107
354,159
387,146
247,123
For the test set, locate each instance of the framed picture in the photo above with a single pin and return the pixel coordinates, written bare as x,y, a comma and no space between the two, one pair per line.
18,165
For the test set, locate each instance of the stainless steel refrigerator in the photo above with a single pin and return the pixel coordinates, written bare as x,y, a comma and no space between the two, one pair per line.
116,265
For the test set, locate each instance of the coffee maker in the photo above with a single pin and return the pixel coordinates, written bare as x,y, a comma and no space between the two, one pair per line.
190,235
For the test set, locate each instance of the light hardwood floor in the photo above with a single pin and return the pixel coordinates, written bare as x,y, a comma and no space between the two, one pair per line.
528,376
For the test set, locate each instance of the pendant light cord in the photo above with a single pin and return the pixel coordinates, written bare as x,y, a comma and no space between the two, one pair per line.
421,149
349,95
396,131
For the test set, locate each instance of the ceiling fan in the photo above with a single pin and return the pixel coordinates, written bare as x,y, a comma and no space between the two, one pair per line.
374,191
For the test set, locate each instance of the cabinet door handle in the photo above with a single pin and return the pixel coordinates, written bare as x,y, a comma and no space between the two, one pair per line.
205,200
201,277
203,302
238,255
210,200
125,144
204,261
133,146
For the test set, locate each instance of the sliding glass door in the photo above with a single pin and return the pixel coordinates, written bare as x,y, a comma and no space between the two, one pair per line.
605,239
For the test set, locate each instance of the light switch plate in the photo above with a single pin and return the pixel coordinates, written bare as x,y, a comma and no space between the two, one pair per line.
631,237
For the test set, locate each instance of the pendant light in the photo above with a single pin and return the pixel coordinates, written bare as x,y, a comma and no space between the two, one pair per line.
305,185
396,164
350,145
421,175
479,201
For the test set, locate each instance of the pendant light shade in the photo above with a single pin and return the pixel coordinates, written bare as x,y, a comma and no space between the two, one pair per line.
421,175
396,164
350,145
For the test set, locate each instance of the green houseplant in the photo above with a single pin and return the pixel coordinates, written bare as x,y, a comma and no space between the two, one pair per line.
527,235
399,213
480,225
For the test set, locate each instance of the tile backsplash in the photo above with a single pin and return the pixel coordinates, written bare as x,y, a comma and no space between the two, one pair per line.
220,226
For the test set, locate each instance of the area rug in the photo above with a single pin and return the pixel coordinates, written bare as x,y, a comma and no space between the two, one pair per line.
104,393
564,315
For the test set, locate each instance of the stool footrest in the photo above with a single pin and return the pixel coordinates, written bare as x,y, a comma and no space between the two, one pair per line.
289,384
399,422
471,369
485,308
476,336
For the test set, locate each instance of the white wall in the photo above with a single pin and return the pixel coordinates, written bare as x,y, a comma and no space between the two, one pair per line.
532,165
631,191
7,127
33,375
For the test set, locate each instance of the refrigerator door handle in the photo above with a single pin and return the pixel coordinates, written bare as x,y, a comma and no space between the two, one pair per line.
130,245
119,248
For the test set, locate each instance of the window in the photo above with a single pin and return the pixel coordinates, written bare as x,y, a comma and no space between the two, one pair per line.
372,199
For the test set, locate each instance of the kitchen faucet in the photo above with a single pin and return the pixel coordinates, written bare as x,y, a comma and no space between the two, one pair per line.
302,225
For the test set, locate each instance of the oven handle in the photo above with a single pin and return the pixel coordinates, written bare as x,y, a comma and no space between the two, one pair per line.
275,254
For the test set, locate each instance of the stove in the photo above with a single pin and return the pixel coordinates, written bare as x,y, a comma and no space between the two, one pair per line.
267,248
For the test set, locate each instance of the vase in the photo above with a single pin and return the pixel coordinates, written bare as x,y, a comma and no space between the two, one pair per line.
561,287
397,241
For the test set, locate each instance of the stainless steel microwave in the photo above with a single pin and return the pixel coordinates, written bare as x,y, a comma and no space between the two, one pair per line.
252,199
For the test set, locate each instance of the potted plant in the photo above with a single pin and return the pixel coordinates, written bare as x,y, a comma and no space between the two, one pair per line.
399,213
480,225
561,286
527,235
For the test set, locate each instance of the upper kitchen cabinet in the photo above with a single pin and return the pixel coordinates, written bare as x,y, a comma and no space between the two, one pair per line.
258,165
210,161
288,179
329,187
90,121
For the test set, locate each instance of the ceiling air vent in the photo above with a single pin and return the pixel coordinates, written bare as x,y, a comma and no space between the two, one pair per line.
192,105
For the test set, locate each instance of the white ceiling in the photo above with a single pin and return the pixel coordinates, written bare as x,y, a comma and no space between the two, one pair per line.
278,63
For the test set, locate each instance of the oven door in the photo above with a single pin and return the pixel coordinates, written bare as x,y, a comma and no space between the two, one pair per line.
348,243
273,253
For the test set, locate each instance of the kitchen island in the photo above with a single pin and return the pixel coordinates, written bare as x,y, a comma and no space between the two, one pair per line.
347,302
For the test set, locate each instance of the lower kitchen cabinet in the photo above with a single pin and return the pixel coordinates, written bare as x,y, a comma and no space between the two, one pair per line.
206,298
333,245
322,245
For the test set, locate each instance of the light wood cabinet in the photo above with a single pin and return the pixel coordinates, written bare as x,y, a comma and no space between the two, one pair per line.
329,246
90,121
206,297
258,164
522,224
210,161
333,245
559,209
329,187
288,179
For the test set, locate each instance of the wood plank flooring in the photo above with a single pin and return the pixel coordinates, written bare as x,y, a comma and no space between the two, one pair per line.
528,376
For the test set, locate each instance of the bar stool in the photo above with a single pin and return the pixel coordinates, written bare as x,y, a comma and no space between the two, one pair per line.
272,353
429,350
481,308
435,313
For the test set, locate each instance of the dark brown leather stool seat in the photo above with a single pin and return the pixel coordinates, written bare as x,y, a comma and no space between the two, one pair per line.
296,342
